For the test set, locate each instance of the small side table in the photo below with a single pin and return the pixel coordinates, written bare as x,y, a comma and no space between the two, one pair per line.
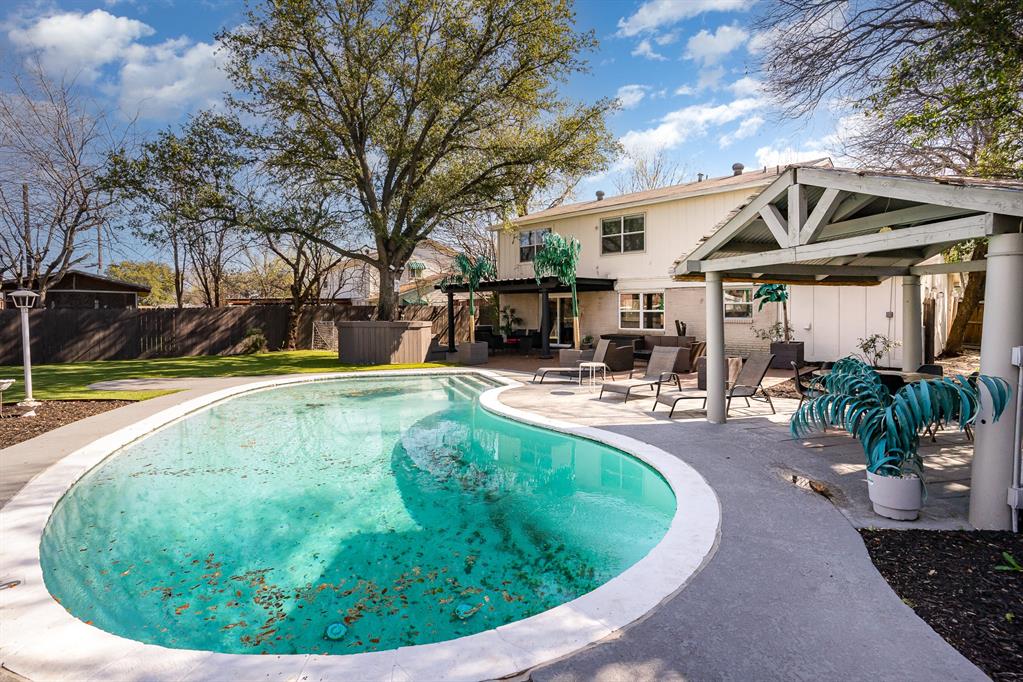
592,367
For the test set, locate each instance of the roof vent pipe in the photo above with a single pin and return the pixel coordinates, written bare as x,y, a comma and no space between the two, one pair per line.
600,195
699,177
737,168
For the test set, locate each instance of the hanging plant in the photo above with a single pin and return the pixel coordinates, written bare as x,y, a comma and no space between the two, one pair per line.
472,271
559,258
775,293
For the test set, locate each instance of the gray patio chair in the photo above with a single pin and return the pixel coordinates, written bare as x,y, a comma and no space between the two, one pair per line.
570,360
746,386
659,368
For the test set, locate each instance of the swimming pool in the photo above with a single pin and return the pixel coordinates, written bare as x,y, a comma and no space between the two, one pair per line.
343,517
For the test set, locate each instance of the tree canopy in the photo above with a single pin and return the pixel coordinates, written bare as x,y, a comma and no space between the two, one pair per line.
419,113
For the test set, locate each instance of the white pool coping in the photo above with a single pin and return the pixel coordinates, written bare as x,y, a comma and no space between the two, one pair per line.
42,641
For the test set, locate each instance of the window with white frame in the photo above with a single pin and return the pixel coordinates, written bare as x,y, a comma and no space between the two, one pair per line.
622,234
738,303
529,242
641,311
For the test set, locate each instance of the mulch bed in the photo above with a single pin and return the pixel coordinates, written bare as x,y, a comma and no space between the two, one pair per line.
49,415
949,579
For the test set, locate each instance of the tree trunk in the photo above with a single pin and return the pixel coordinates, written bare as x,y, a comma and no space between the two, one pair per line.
785,320
472,317
387,299
973,294
291,335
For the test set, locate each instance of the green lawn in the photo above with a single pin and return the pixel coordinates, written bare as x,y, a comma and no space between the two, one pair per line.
68,381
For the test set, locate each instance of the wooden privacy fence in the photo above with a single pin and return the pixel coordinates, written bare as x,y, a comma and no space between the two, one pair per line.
78,335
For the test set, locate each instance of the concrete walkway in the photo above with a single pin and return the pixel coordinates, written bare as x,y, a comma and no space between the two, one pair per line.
790,594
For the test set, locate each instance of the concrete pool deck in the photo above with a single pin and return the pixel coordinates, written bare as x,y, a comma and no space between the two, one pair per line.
790,593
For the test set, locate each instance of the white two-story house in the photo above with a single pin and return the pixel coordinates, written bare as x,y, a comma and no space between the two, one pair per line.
630,244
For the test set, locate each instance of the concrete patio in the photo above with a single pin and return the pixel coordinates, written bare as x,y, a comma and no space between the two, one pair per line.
790,592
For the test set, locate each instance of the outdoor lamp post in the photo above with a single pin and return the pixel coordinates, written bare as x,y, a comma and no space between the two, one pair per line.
23,300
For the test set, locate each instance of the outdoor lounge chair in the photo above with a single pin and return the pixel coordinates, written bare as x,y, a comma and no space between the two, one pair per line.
659,368
746,386
569,361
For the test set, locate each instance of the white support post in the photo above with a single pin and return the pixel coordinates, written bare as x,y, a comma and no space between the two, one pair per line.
1003,329
912,324
716,377
797,212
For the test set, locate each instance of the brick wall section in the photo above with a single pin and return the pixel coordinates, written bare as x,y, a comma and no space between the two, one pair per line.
689,305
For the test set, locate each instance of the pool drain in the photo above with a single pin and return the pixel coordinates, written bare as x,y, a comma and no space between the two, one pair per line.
336,631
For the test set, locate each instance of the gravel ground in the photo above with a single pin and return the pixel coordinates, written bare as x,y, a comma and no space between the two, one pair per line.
50,415
949,578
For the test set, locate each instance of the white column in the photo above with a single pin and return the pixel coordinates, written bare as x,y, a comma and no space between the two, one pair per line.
912,324
715,350
1003,329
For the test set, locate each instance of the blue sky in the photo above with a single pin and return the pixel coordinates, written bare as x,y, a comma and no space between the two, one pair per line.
682,69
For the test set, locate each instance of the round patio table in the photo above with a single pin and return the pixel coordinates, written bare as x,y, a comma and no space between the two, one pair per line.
908,377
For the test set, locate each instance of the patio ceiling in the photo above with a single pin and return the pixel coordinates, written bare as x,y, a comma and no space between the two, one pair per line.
826,226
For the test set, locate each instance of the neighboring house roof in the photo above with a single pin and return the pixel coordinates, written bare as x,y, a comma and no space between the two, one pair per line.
78,280
727,183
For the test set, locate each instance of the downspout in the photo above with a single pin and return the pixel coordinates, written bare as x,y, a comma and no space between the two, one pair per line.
1016,491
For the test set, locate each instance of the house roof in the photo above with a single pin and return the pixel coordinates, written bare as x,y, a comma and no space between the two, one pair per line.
727,183
839,226
70,282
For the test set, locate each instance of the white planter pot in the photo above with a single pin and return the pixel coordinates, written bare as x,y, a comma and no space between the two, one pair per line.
896,498
473,353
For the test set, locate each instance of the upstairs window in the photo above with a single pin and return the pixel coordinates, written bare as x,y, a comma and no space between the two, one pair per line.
622,234
738,303
529,242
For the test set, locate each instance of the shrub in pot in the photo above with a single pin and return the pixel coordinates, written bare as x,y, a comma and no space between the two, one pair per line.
784,349
889,425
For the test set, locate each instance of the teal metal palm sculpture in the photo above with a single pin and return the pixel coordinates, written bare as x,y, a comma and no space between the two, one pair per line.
472,271
559,257
776,293
889,425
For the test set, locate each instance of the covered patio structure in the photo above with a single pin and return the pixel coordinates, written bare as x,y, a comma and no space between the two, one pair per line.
841,227
527,285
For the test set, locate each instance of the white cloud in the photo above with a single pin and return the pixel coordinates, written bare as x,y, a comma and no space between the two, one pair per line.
781,155
707,48
685,90
710,78
680,125
666,38
151,81
631,95
655,14
76,42
645,49
171,78
748,127
746,87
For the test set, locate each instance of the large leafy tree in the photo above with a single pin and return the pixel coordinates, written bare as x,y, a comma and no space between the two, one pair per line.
187,191
938,85
420,113
159,277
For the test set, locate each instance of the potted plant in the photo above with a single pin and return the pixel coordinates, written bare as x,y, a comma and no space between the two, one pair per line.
559,258
784,349
875,347
889,425
472,271
587,342
509,321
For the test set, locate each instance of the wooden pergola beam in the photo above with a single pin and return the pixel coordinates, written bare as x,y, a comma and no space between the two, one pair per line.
948,232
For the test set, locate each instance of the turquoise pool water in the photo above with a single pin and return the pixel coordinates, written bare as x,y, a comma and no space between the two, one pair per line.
395,509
